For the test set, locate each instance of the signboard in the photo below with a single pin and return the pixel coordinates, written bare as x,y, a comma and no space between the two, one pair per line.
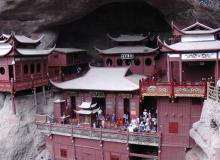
127,56
71,93
199,56
97,94
126,95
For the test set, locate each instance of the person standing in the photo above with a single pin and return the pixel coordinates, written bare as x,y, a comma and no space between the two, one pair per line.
218,83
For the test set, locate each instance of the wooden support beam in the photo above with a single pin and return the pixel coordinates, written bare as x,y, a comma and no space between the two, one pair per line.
13,96
44,95
13,103
217,68
35,96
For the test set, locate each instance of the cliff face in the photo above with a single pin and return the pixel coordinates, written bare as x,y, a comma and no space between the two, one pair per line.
19,137
84,23
29,15
205,135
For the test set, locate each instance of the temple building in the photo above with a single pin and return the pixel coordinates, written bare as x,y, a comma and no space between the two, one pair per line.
141,104
186,64
67,63
23,66
95,104
130,50
115,90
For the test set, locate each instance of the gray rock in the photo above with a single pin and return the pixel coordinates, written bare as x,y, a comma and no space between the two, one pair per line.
19,137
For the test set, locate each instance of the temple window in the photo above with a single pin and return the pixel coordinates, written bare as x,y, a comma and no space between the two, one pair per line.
32,68
109,62
2,70
38,67
127,62
137,62
25,69
148,61
63,153
119,62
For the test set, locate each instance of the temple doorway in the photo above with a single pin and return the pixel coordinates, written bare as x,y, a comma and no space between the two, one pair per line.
150,104
127,107
198,71
11,72
100,103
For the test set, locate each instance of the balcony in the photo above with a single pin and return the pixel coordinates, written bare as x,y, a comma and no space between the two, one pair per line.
213,93
113,135
7,86
196,89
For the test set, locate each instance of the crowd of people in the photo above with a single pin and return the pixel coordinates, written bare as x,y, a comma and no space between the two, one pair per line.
147,122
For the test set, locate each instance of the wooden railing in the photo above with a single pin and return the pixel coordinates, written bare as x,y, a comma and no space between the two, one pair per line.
14,86
116,135
172,89
213,92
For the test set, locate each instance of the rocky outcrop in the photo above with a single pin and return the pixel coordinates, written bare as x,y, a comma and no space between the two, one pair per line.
205,134
29,16
19,137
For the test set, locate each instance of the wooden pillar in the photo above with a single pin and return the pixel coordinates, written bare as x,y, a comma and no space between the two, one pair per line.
115,104
13,103
180,69
101,145
13,97
217,67
44,95
35,96
168,68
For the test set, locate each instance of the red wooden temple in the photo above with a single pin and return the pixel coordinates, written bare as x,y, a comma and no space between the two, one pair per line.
67,63
130,50
169,82
185,65
23,66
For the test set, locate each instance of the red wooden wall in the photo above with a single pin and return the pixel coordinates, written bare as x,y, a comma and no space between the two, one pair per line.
84,149
4,62
56,59
175,121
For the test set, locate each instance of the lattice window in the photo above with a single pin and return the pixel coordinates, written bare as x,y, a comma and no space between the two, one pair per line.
63,153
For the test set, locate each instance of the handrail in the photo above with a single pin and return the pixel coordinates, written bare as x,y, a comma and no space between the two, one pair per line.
213,93
173,89
97,133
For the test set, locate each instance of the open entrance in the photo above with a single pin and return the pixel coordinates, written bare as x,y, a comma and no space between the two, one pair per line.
100,103
142,152
150,104
127,108
11,72
198,71
73,106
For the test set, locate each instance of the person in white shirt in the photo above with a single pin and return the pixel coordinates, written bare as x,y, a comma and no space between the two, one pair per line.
145,114
218,83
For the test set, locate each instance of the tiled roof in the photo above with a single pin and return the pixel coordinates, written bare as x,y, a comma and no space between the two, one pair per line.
128,38
69,50
127,49
102,79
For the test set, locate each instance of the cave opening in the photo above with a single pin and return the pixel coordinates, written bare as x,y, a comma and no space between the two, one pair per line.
114,18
